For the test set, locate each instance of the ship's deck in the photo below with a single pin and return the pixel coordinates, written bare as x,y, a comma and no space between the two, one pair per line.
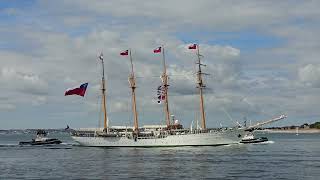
145,134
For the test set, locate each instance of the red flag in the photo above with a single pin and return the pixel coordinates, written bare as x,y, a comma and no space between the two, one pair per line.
124,53
193,46
77,90
158,50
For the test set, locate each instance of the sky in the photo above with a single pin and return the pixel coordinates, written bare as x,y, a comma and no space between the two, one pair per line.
262,58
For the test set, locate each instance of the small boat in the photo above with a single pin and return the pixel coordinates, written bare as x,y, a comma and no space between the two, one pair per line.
249,138
41,139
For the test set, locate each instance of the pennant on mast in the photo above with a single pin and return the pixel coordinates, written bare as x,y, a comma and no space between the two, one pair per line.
124,53
161,95
192,46
157,50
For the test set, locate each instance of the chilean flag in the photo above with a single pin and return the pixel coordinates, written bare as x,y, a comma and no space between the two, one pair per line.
158,50
124,53
193,46
77,90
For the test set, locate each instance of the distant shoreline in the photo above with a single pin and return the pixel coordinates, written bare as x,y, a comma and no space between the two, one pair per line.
300,131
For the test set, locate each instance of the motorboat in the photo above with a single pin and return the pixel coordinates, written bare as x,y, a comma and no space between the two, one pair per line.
250,138
41,139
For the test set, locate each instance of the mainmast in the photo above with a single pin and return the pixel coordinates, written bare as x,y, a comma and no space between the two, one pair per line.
165,78
106,123
132,82
200,86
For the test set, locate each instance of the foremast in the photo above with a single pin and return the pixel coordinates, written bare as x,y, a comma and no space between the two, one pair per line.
104,105
132,83
200,86
165,79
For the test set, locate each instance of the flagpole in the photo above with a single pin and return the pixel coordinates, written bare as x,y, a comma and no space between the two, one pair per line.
133,87
201,86
164,78
132,72
106,123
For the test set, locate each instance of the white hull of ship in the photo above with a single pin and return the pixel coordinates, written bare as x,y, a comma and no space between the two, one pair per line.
213,138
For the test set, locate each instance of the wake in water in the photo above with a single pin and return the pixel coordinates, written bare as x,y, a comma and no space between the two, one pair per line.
266,142
62,145
8,145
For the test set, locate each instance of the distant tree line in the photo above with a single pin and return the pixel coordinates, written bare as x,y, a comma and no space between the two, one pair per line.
315,125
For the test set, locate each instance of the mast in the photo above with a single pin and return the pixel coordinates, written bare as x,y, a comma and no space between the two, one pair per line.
165,78
106,123
201,86
132,82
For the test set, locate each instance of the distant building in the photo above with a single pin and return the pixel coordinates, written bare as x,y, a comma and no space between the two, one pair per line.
305,126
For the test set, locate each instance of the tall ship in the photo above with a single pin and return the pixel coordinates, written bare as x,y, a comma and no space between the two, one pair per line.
169,135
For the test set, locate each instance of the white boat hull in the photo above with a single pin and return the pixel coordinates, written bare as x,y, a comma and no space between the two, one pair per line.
213,138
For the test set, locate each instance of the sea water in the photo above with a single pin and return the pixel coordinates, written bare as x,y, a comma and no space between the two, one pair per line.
285,156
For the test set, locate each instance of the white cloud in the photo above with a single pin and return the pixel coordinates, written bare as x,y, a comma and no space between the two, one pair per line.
310,75
19,80
6,107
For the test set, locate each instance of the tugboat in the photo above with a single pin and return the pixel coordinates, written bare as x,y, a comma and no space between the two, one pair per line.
249,138
41,139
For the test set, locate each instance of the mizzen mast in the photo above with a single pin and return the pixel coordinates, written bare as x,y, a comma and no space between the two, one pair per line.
200,85
165,78
132,82
106,123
